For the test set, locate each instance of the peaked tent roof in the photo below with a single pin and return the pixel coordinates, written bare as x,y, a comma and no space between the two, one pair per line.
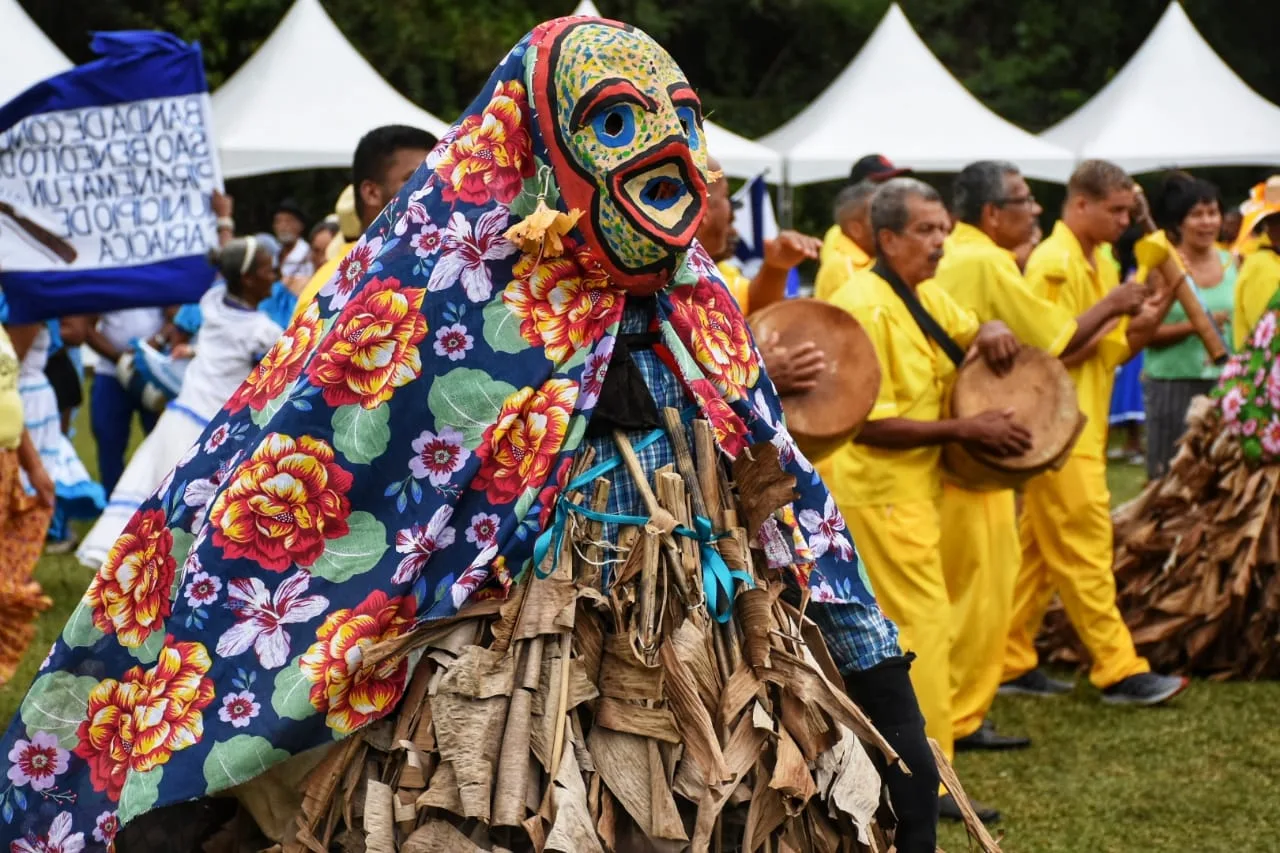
739,157
266,121
29,56
897,99
1152,114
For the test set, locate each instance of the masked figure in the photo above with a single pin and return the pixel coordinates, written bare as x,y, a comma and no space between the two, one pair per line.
399,457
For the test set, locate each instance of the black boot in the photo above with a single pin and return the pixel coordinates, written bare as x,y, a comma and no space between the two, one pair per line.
884,692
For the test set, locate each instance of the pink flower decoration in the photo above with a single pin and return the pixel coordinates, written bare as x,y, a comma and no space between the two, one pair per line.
483,529
238,709
37,762
203,589
419,543
453,342
437,457
466,251
263,614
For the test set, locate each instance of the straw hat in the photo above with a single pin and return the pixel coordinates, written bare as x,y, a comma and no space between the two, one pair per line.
1264,201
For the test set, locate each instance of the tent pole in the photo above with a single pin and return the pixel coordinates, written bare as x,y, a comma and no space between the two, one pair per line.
784,197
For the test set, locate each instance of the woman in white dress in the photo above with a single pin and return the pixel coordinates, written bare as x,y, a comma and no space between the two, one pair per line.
233,338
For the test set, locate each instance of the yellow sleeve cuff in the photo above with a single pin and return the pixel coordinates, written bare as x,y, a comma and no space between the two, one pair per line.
1064,337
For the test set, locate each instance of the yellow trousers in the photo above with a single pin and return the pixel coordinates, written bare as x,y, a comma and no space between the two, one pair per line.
899,546
980,559
1067,548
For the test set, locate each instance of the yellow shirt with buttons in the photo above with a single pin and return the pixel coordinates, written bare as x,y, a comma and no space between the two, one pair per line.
915,376
1059,271
984,278
839,259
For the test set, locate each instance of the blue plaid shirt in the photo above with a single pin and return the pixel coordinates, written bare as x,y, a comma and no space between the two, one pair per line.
858,637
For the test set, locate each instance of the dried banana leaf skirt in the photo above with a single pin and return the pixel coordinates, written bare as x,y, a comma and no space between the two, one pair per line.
613,704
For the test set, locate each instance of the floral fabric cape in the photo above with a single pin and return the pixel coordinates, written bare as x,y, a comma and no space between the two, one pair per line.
396,454
1248,392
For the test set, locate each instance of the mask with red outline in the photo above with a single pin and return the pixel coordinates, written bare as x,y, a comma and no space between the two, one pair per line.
623,130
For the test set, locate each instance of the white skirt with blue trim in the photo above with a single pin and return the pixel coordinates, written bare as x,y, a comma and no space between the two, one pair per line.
177,430
78,495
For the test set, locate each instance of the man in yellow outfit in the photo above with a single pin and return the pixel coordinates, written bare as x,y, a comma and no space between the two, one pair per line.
995,213
385,158
888,481
849,245
1065,526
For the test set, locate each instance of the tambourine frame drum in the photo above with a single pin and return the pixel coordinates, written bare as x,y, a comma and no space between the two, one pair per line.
1041,392
824,419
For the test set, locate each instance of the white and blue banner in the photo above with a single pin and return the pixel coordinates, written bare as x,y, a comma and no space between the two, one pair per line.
754,222
106,177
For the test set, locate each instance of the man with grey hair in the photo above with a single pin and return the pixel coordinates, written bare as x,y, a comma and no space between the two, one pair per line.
851,211
995,212
887,481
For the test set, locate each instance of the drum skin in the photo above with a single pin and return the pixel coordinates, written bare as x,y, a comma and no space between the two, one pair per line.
824,419
1043,398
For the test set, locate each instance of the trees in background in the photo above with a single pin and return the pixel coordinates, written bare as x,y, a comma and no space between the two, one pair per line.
755,62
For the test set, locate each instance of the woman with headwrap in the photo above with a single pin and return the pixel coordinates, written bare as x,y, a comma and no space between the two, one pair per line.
233,336
398,459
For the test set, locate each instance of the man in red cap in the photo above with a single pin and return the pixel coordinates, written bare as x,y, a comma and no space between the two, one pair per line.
848,244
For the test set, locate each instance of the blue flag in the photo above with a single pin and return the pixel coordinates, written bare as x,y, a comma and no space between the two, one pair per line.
106,174
754,221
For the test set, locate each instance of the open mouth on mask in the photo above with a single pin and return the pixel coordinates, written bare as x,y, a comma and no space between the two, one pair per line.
657,193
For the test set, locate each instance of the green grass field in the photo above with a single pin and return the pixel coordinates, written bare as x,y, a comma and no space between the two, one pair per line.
1197,776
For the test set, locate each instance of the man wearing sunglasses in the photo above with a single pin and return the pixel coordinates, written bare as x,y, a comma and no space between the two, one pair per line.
995,213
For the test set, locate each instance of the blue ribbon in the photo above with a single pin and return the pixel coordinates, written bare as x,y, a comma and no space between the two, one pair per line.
717,579
555,533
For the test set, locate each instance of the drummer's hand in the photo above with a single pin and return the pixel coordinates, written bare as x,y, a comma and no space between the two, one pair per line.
997,346
789,249
996,432
182,351
1127,298
793,369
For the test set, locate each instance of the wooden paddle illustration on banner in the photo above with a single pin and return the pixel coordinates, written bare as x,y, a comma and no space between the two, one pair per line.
41,235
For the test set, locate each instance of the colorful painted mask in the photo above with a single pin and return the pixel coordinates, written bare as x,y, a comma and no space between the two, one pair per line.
623,129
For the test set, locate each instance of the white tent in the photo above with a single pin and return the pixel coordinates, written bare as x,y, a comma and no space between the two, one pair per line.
739,157
29,56
897,99
1175,103
271,116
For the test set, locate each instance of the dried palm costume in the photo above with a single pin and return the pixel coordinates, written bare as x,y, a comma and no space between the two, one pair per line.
1198,551
398,460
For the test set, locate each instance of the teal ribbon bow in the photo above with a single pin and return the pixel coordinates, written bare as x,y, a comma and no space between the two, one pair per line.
717,578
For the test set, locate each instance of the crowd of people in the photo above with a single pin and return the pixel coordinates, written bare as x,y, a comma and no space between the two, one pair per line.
966,575
967,580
